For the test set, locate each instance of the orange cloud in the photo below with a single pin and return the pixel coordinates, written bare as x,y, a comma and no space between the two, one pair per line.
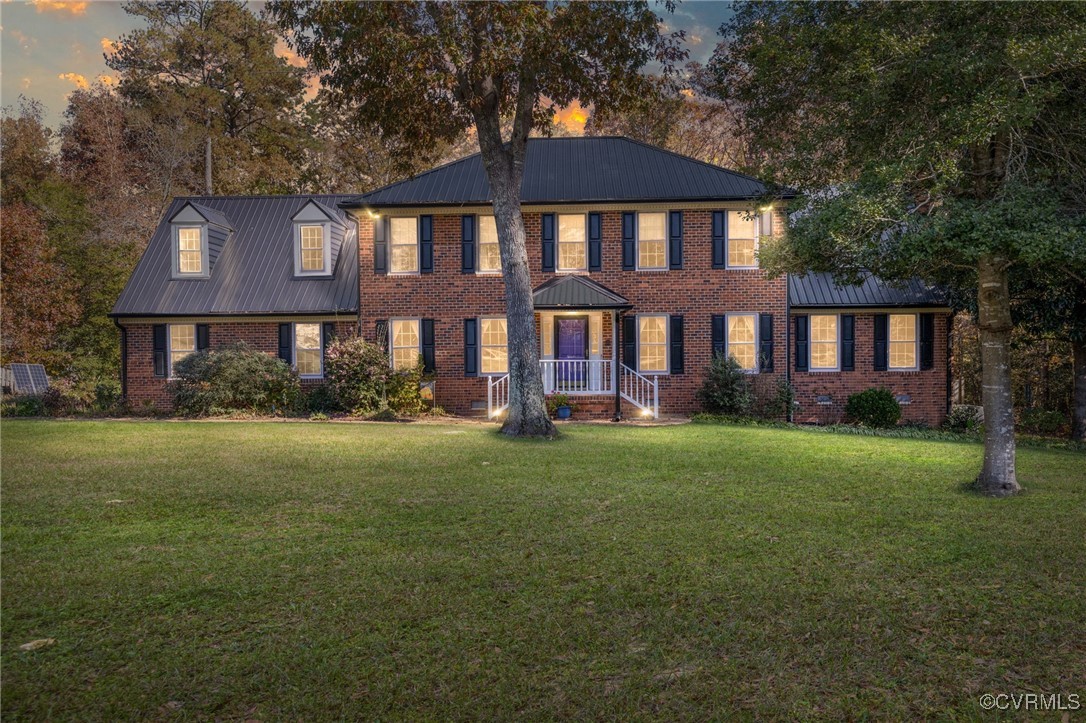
687,92
107,80
108,46
25,82
75,79
285,52
75,7
572,117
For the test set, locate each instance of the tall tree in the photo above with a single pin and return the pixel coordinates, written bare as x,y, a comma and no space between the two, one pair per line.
942,140
215,61
425,72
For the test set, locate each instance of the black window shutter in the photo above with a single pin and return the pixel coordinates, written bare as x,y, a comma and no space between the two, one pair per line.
765,342
380,246
467,244
629,242
286,343
380,333
547,235
718,334
675,240
720,236
927,341
677,361
880,342
203,337
426,244
595,242
802,351
328,333
471,347
428,360
629,341
158,342
848,342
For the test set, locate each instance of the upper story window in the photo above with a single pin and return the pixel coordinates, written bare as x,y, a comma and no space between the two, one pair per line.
572,245
903,340
742,340
313,253
405,345
308,356
493,346
824,337
652,343
490,257
652,240
190,251
404,246
742,240
182,343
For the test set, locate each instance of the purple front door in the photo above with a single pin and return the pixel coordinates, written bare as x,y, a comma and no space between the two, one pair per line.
571,345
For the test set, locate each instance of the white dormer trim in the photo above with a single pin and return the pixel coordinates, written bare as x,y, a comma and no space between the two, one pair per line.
313,215
187,218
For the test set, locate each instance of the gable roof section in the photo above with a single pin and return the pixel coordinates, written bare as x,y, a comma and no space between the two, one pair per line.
576,292
820,290
210,215
254,273
588,169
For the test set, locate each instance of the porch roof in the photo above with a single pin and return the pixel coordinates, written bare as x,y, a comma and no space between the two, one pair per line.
576,292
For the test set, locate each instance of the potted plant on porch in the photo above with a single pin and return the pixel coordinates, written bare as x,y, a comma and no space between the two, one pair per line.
560,406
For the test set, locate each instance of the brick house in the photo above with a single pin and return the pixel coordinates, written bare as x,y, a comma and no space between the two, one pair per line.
644,264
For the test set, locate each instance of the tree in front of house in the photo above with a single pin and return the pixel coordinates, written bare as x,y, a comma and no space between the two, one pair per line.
425,72
943,140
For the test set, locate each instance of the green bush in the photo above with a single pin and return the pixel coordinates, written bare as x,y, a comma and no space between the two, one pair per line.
727,389
964,418
320,399
404,395
773,397
234,378
30,405
1044,422
357,373
873,408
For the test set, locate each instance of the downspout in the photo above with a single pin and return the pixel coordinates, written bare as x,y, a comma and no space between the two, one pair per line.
124,359
616,352
788,341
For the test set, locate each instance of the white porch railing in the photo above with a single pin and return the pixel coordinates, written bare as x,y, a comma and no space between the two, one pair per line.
497,395
577,376
588,376
639,390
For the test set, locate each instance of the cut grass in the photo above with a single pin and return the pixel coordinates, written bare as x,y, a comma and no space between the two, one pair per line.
314,571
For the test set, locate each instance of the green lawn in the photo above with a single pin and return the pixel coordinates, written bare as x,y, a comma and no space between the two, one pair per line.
310,571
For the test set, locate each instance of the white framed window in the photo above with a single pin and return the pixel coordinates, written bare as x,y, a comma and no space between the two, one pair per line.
743,340
652,343
490,257
182,342
190,251
493,346
651,241
902,353
405,343
572,243
403,245
313,249
308,356
824,342
742,240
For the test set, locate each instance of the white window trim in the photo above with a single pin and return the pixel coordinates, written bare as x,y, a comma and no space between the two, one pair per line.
757,339
558,268
392,337
728,243
667,345
916,344
326,270
637,243
294,347
479,364
811,342
169,346
175,233
479,243
418,249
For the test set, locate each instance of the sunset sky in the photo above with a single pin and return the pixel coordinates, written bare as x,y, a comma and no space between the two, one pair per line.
50,47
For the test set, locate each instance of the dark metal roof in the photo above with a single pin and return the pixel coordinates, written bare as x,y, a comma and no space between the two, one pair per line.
576,292
577,170
813,290
212,215
254,273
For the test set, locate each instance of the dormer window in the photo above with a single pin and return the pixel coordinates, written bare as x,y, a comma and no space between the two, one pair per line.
313,250
313,259
198,234
190,250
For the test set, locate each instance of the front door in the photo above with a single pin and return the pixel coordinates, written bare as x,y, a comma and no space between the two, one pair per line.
571,349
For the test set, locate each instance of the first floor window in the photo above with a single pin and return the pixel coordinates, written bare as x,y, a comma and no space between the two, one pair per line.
742,340
404,244
902,341
493,346
405,343
490,257
572,251
742,240
823,341
652,343
182,343
190,256
312,243
651,244
307,349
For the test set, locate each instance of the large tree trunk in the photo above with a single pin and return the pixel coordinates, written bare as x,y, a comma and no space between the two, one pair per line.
207,158
527,416
998,476
1078,403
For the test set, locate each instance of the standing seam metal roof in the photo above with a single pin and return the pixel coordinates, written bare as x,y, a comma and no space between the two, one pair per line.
820,290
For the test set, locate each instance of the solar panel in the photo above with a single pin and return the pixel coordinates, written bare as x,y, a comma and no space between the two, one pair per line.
28,378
